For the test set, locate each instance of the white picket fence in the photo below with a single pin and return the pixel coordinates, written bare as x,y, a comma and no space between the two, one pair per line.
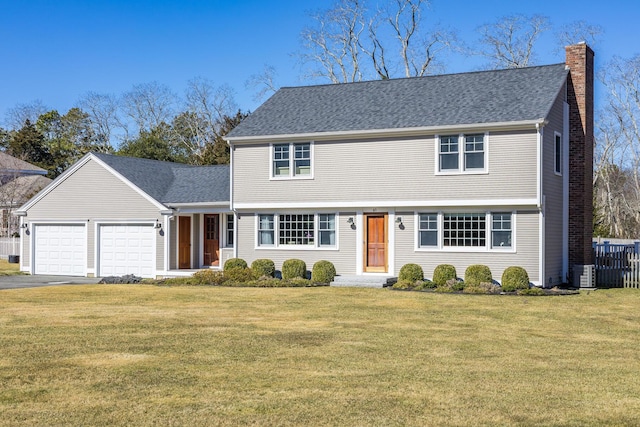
9,246
632,274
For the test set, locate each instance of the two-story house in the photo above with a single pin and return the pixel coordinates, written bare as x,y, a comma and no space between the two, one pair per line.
489,167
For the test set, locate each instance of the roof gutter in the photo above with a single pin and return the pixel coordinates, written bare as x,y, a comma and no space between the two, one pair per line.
416,131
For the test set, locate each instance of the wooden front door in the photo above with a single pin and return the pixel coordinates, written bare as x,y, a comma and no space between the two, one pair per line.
375,243
212,239
184,242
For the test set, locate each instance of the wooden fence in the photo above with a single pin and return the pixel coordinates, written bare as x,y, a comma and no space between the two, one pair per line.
617,265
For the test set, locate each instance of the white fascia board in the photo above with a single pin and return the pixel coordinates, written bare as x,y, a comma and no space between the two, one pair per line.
387,204
318,136
53,184
199,204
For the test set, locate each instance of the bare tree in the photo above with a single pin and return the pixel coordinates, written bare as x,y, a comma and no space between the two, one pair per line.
510,41
333,45
351,43
149,105
103,114
617,162
264,83
200,123
579,31
19,114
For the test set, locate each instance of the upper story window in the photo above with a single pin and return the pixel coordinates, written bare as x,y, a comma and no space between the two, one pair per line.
462,153
558,153
292,160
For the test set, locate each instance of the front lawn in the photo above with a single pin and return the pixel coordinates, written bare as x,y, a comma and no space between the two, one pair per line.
148,355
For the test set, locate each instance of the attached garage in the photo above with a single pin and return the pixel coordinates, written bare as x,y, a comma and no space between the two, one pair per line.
126,249
60,249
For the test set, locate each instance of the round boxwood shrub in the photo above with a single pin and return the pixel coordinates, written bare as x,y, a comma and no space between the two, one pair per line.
411,272
323,272
476,274
514,278
442,273
263,267
234,263
236,276
294,268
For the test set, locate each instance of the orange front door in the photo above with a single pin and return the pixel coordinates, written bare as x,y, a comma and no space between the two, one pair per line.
212,239
184,242
375,243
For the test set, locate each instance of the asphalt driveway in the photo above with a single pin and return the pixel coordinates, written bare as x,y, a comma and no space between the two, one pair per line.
28,281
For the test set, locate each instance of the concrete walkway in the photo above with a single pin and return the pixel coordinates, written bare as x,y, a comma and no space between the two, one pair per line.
28,281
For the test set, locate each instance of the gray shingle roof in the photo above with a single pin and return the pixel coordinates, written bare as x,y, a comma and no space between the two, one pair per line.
452,99
169,182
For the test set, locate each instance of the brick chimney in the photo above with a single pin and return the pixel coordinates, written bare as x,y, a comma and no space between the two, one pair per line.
579,60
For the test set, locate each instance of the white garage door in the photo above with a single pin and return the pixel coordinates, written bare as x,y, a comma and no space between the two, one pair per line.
60,249
127,249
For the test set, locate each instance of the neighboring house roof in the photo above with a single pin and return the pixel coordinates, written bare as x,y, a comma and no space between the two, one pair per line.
500,96
20,189
10,165
169,182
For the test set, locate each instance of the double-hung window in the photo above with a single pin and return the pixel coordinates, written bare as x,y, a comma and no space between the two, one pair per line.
428,230
501,230
291,160
462,153
302,230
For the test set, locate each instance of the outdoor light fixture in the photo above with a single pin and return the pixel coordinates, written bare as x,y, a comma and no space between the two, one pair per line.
25,225
158,225
350,220
399,220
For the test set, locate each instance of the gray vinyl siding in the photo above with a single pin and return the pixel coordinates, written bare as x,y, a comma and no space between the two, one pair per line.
92,193
552,190
389,170
526,254
343,258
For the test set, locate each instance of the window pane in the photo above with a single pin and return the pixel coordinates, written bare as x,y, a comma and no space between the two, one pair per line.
558,151
474,160
449,152
428,238
230,230
448,161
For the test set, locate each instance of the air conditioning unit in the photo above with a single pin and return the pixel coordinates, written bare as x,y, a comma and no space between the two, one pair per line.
584,276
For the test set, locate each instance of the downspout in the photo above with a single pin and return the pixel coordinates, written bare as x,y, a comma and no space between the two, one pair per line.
541,205
233,209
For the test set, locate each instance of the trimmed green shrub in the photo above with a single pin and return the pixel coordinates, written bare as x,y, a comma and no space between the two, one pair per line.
425,284
296,282
263,267
442,273
476,274
323,272
235,263
514,278
294,268
239,275
411,272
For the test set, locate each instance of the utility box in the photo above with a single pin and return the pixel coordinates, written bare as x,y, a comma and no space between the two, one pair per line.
584,276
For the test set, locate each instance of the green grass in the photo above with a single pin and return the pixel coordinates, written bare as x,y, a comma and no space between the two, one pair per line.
7,269
147,355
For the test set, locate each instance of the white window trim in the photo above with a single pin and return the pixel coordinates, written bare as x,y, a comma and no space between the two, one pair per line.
555,153
488,238
316,224
461,152
291,175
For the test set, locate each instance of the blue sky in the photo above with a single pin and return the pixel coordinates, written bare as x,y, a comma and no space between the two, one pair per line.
56,51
